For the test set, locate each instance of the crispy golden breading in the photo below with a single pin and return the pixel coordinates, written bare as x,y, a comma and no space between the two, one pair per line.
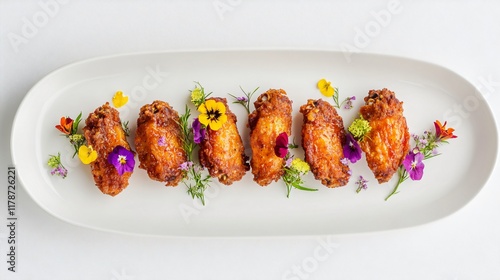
158,141
388,142
272,116
222,151
103,131
323,137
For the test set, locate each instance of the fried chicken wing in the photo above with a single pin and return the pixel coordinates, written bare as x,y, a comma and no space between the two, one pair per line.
272,116
103,131
388,141
323,137
158,141
222,151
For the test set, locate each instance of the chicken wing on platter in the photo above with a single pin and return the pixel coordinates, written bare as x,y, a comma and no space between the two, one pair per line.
323,138
158,141
103,131
388,141
271,117
222,151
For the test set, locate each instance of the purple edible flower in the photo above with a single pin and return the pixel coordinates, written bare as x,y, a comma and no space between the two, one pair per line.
349,100
122,159
198,131
414,165
242,99
185,166
60,171
162,142
352,150
281,148
362,184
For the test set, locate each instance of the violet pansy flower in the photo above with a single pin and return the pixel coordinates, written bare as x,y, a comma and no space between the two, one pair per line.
414,165
122,159
351,148
198,131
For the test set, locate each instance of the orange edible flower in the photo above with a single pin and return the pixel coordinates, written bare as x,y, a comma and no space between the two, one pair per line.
66,125
443,133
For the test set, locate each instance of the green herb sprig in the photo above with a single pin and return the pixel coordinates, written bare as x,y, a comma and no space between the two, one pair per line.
126,129
294,169
244,100
194,179
76,139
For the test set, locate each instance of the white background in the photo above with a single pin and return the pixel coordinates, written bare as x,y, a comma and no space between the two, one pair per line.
37,38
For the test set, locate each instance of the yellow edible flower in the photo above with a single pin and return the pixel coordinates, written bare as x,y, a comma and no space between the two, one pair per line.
213,114
300,165
326,88
119,99
359,128
197,96
87,154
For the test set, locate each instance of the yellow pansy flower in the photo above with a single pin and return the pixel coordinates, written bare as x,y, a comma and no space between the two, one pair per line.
326,88
119,99
213,114
87,154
